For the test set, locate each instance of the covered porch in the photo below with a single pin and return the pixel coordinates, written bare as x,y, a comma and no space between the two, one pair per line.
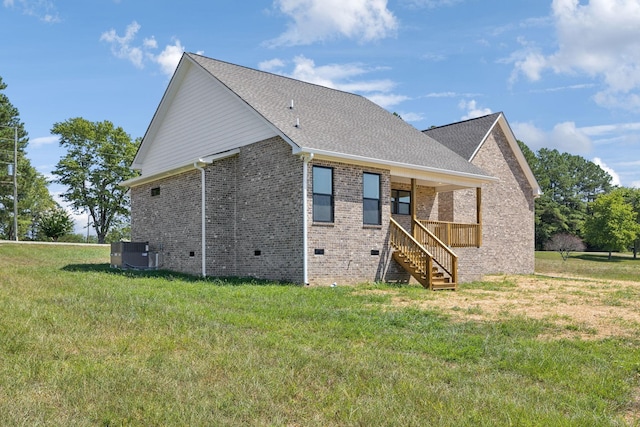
426,228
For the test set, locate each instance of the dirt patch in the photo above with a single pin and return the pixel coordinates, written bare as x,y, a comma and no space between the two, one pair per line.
580,308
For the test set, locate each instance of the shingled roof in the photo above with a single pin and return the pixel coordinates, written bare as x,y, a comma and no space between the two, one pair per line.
332,122
464,137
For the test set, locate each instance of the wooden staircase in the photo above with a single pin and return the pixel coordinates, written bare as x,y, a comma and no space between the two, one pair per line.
417,259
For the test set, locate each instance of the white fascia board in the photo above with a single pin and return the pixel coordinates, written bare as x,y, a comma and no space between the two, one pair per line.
202,161
178,77
160,112
513,142
250,108
403,169
484,138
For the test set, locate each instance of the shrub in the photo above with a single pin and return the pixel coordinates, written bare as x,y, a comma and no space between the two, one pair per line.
565,243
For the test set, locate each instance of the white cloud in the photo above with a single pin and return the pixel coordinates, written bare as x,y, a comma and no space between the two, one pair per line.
321,20
599,39
600,130
150,43
43,140
271,65
534,137
44,10
442,95
411,117
80,219
565,137
615,178
169,58
431,4
125,47
387,100
345,77
473,110
564,88
121,45
434,57
635,184
633,163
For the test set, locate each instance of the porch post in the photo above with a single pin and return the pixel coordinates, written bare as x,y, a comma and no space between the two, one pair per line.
414,205
479,216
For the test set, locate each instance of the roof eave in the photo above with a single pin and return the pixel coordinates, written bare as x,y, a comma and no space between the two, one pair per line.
513,142
201,161
399,168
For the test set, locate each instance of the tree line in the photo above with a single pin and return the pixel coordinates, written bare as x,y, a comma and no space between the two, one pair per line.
98,158
579,205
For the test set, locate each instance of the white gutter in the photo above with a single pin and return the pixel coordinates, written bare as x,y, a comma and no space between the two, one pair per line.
305,186
145,179
203,238
392,165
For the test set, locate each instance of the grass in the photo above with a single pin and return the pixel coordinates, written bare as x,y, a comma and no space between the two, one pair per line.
82,344
590,264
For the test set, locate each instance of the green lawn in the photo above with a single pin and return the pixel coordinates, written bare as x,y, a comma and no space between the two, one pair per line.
82,344
590,264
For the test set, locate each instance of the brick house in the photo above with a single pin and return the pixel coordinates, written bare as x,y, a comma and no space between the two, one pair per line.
247,173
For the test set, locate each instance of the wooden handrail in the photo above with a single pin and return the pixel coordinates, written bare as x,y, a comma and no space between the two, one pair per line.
411,248
442,254
454,234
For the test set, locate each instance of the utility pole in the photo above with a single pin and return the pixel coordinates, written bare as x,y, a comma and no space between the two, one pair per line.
15,182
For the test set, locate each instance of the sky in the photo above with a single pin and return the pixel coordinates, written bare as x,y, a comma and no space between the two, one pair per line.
566,73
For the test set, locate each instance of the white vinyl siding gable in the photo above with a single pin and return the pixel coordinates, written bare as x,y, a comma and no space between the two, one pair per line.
203,118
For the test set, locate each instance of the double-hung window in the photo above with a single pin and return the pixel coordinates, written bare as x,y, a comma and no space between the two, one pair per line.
371,199
401,202
322,194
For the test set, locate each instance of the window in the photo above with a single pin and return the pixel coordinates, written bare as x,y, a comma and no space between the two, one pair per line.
371,199
401,202
322,194
155,191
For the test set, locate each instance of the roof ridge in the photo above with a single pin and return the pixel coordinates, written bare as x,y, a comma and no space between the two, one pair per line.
275,74
463,121
337,123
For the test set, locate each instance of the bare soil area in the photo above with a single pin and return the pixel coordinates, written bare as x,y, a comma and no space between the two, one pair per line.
581,308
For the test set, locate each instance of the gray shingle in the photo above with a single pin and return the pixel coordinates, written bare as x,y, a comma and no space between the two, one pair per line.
332,120
463,137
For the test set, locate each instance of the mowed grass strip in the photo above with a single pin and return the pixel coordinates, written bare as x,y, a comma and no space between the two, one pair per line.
595,265
82,344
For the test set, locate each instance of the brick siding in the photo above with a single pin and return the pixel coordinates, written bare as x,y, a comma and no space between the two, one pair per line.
507,215
254,221
347,242
254,225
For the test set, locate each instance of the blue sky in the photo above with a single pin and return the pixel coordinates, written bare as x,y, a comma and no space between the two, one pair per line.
566,73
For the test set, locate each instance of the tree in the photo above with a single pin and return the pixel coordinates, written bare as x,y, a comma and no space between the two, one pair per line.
55,223
33,194
612,225
33,200
632,197
119,232
568,183
565,243
97,160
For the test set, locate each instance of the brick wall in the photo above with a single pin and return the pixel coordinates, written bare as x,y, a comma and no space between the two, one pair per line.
254,222
346,242
507,215
170,221
269,212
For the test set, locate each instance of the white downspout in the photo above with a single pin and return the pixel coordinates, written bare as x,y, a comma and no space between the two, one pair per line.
305,253
203,237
